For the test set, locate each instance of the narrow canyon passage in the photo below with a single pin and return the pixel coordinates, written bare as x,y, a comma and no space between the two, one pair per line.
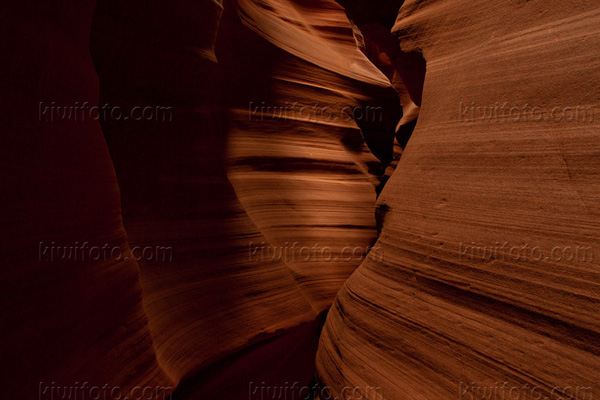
272,232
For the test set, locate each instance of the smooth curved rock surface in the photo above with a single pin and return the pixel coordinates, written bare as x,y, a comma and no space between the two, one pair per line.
211,307
439,317
210,301
295,181
296,159
258,155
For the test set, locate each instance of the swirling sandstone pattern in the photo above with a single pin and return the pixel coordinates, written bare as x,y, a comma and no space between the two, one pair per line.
301,169
219,306
438,318
210,301
211,309
260,157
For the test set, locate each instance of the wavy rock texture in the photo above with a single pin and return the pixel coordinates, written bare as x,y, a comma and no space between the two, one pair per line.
258,154
296,159
66,318
212,308
438,318
219,306
210,301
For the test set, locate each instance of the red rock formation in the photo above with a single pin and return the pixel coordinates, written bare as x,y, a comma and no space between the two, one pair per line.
440,317
220,305
297,161
211,300
212,305
256,179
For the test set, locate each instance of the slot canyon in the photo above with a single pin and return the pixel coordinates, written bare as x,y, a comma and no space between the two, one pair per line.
300,199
